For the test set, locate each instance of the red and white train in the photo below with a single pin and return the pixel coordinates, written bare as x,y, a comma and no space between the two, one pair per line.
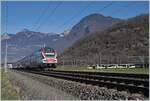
44,58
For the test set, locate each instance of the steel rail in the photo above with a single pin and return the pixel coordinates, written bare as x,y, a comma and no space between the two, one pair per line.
132,85
130,75
134,81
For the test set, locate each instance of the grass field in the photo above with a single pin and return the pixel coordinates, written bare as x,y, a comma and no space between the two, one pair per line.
8,92
116,70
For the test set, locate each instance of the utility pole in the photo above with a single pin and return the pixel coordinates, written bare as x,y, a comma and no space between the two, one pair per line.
6,58
5,67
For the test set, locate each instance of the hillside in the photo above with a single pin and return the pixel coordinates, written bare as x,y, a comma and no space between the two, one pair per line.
86,26
127,38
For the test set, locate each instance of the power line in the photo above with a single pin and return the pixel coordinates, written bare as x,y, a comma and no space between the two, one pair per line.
106,6
119,10
50,15
40,17
86,7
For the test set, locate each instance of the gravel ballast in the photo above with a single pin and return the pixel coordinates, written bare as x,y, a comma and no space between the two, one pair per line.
84,91
32,89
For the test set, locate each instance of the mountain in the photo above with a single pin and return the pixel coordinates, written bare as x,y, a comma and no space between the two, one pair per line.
86,26
127,38
6,36
25,42
92,23
65,33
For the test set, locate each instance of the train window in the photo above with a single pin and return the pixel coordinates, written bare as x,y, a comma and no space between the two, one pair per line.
50,55
49,49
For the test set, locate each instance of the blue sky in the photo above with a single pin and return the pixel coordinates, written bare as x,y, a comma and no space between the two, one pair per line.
46,16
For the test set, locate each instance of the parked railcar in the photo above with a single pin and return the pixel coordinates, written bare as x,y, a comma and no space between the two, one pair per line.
44,58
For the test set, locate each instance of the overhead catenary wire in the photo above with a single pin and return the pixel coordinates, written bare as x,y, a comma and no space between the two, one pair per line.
116,11
79,13
49,16
123,9
76,15
41,16
106,6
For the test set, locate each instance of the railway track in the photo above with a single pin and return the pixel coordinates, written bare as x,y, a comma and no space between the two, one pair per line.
134,83
127,75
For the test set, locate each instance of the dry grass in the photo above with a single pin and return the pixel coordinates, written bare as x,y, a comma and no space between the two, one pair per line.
8,92
114,70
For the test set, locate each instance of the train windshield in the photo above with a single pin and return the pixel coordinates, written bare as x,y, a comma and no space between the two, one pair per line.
50,55
48,50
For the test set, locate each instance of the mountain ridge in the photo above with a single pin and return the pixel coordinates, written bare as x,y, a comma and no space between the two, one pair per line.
127,38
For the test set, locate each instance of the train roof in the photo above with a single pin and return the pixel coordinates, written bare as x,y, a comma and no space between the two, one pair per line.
47,49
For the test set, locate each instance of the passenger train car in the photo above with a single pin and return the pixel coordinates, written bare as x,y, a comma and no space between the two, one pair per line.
44,58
